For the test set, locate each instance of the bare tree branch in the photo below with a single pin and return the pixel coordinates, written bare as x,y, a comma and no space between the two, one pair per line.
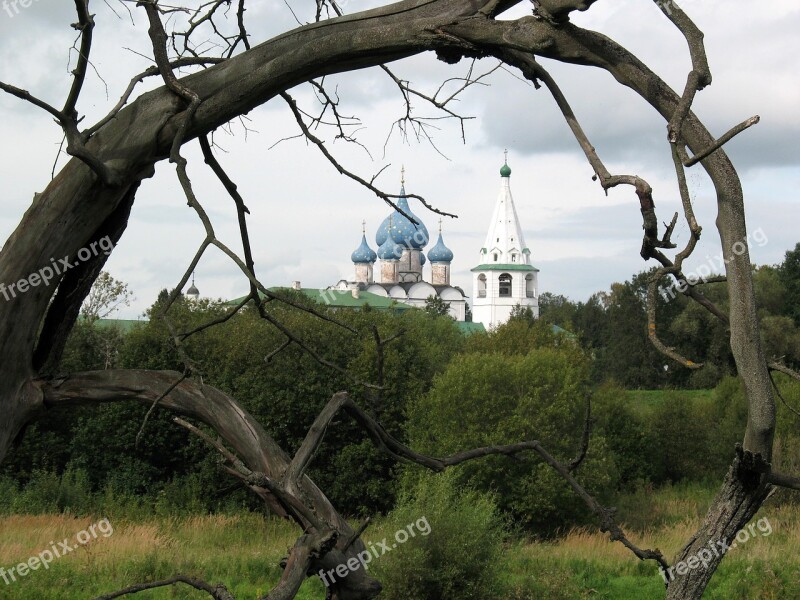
722,140
217,592
407,91
321,145
85,26
700,75
587,430
26,95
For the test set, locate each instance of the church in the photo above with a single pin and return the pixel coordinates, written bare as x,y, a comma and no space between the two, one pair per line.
400,243
503,278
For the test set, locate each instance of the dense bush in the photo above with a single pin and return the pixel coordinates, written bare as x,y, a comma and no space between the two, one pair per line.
682,432
627,434
48,493
460,558
485,399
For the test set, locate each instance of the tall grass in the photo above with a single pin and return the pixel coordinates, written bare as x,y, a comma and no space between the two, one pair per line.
243,552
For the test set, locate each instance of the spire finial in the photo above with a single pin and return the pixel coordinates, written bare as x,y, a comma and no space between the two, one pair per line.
440,225
403,175
505,170
364,227
193,292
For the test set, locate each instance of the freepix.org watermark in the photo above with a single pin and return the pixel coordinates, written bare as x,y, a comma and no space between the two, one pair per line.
57,550
12,7
55,269
716,548
375,550
714,264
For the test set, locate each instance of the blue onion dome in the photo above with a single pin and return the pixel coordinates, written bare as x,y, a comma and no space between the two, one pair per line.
364,254
440,252
404,232
422,259
389,250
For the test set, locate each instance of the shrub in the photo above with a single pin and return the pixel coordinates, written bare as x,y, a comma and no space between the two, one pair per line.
8,493
47,493
626,434
460,556
494,399
681,431
183,496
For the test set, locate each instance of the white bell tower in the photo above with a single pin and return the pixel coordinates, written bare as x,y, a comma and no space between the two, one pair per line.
505,276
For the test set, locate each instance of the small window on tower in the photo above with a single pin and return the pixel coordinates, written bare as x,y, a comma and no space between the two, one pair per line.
513,258
495,257
498,239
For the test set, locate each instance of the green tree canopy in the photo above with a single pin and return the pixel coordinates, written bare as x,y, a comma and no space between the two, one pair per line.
522,389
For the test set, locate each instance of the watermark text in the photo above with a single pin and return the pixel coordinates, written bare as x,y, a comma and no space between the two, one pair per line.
56,550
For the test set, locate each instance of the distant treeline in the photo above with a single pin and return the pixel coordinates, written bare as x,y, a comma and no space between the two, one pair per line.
613,326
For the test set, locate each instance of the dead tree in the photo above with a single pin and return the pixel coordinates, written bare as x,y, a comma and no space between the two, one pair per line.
91,197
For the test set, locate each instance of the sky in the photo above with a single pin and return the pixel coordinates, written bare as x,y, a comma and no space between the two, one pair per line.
305,218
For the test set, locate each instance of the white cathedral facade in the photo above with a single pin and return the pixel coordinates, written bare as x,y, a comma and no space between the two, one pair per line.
504,278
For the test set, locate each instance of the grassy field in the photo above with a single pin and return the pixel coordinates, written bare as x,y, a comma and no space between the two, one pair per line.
645,401
242,552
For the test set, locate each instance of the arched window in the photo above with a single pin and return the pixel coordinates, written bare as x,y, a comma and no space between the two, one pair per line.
495,257
481,286
513,258
505,285
530,289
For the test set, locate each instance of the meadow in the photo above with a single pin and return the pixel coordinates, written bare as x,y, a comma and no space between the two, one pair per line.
243,551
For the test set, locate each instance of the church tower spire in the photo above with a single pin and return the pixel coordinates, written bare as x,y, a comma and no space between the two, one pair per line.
505,276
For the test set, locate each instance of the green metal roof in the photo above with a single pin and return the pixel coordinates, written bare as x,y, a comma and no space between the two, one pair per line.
344,298
504,267
125,325
561,331
470,327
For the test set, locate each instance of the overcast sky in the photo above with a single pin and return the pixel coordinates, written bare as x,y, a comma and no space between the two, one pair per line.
306,219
